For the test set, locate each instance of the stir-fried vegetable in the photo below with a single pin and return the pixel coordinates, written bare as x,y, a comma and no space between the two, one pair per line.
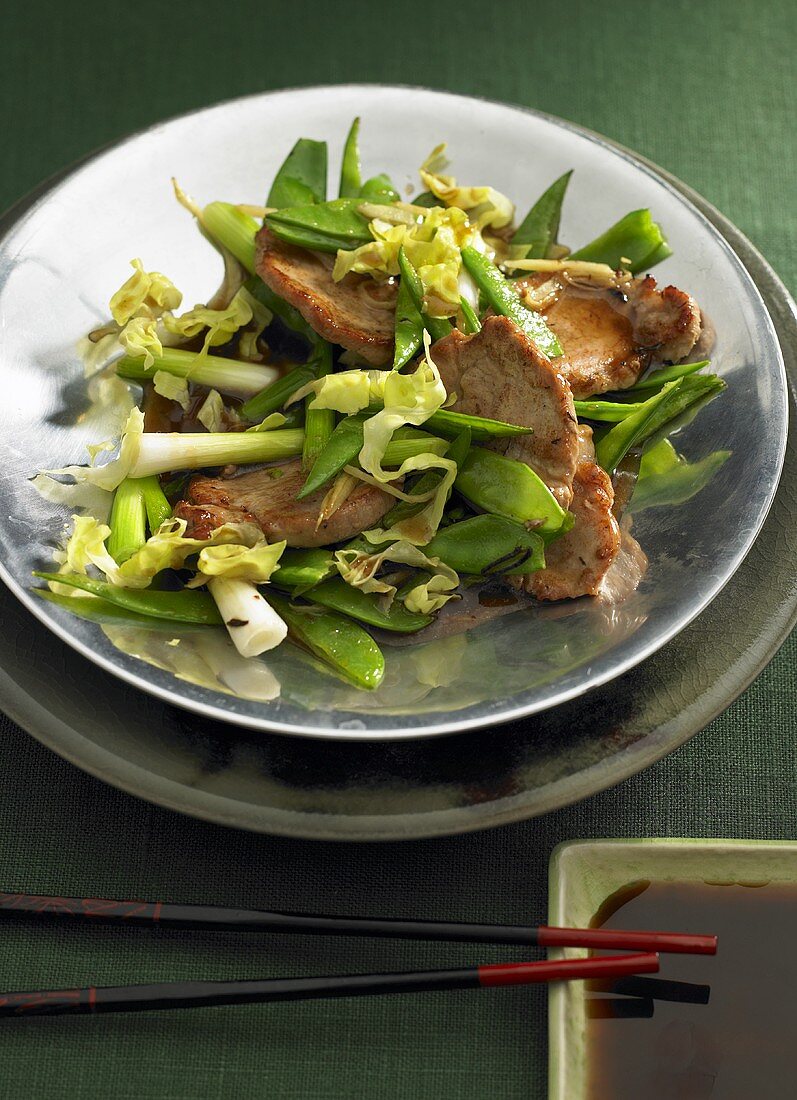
536,236
462,510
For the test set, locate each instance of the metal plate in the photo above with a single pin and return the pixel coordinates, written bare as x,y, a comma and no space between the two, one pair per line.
339,791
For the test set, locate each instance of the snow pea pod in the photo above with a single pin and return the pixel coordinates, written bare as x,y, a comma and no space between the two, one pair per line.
427,199
449,424
611,411
672,400
488,544
350,174
186,606
97,610
303,569
409,327
657,378
365,606
302,178
667,478
539,229
472,322
437,327
379,189
346,442
324,226
346,647
273,397
504,299
505,487
635,243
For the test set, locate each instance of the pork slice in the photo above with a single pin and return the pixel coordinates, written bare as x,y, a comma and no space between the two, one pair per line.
576,563
499,373
357,312
611,335
267,498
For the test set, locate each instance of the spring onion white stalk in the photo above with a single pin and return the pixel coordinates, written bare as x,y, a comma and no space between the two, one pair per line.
253,624
159,452
228,376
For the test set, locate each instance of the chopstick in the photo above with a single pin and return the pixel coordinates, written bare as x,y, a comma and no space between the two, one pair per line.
199,994
218,918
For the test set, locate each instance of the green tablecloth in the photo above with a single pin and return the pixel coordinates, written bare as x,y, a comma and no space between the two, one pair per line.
706,90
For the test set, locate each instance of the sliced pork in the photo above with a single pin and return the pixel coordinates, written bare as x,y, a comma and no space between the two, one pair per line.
576,563
499,373
609,335
357,313
267,498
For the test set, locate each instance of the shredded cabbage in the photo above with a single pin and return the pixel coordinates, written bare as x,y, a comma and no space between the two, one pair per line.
485,205
211,414
254,564
112,473
273,420
348,392
140,339
261,316
220,323
169,385
358,569
432,242
146,294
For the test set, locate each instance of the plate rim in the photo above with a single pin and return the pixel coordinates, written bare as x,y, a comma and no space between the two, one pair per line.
28,205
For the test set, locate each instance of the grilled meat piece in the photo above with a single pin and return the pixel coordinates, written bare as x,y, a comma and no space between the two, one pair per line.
610,335
357,313
576,563
499,373
267,498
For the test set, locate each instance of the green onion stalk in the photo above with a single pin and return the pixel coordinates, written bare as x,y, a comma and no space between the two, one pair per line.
228,376
128,521
251,621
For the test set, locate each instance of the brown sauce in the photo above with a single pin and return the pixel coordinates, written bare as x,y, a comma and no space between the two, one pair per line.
742,1043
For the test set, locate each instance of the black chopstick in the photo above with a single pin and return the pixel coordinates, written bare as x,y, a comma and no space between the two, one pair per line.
163,995
219,918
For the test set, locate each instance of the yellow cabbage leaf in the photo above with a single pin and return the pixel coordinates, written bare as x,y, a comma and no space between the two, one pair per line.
146,294
485,205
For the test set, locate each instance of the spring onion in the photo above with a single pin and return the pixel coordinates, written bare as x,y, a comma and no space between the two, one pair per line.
230,376
128,520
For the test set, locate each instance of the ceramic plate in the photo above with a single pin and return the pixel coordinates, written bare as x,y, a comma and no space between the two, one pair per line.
342,790
73,244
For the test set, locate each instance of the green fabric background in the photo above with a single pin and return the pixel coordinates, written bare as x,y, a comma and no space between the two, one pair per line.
705,89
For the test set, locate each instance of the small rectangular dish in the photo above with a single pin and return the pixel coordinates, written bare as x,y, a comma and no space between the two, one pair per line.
725,1032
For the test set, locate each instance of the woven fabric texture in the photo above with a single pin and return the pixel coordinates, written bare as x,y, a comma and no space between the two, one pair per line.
706,90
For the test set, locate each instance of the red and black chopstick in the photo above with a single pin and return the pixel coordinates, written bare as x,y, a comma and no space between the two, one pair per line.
217,918
192,994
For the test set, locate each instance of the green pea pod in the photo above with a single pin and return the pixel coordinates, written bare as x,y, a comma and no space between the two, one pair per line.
656,379
409,328
449,424
488,544
273,397
97,610
635,243
335,639
427,199
659,411
186,606
539,230
304,569
341,449
350,175
437,327
365,606
666,478
472,322
504,487
379,189
346,442
503,297
303,176
610,411
405,509
325,226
